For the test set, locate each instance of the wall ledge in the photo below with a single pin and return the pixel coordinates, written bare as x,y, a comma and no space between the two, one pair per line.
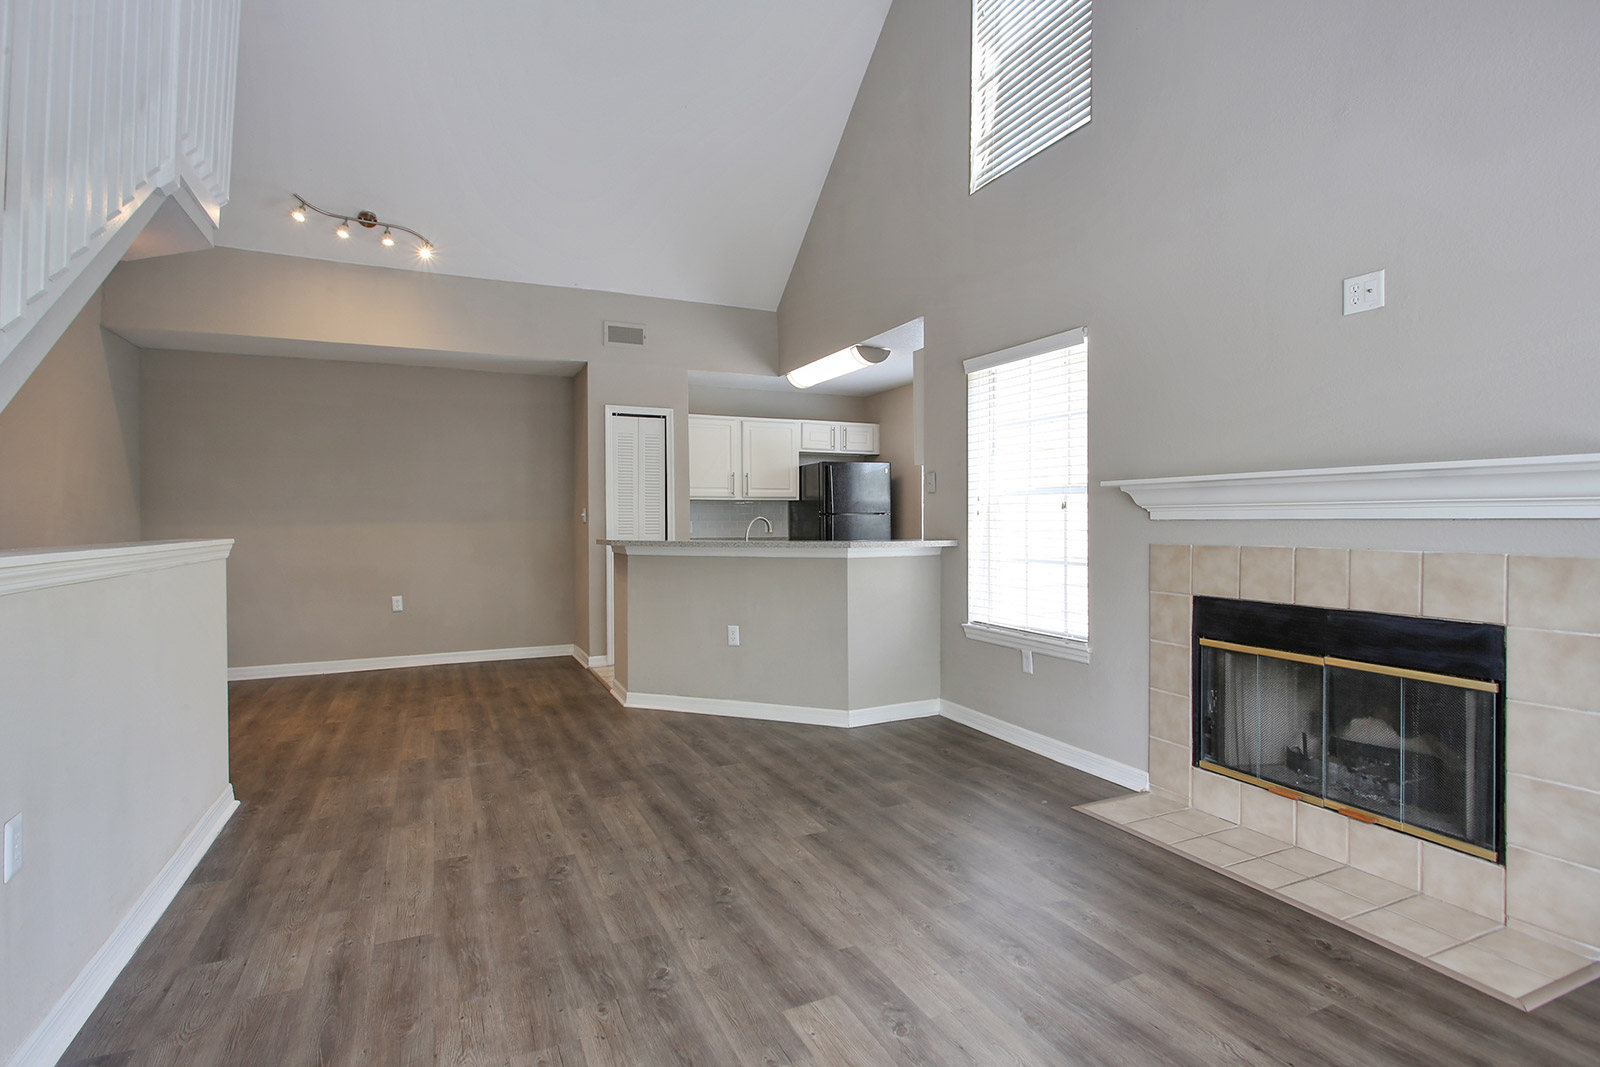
1534,487
24,569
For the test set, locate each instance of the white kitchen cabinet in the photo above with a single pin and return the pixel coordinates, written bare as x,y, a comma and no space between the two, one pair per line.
818,436
846,438
743,459
771,454
716,465
859,438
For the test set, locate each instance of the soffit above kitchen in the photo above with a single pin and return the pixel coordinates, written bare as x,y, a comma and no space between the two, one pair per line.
669,150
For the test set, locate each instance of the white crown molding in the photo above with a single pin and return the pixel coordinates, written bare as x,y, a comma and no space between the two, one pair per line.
384,663
40,568
50,1039
750,709
1048,747
1536,487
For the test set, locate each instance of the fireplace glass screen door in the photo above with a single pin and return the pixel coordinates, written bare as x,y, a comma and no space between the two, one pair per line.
1414,750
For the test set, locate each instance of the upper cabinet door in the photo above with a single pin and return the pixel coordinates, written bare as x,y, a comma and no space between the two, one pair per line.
714,458
859,437
771,459
819,436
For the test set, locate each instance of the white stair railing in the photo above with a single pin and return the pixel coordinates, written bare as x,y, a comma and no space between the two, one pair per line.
107,108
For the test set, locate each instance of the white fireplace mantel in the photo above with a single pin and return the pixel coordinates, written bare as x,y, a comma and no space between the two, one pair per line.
1536,487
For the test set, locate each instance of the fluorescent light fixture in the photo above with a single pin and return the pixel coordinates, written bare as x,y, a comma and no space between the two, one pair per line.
829,367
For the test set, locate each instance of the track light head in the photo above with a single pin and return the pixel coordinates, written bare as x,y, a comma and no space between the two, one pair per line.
298,212
342,230
424,251
387,238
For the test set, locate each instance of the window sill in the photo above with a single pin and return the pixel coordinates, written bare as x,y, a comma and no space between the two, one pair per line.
1059,647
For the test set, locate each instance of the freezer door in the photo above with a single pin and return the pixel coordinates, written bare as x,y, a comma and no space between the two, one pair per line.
849,527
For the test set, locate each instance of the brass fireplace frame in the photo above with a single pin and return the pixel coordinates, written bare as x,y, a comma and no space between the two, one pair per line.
1345,809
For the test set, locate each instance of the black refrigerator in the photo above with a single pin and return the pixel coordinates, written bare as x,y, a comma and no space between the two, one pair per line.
841,502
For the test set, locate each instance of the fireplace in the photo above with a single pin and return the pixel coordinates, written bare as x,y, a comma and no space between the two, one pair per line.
1388,719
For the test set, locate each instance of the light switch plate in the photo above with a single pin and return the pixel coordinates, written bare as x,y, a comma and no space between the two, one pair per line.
1364,293
930,482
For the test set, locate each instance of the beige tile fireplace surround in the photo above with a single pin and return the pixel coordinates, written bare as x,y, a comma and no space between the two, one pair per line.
1525,932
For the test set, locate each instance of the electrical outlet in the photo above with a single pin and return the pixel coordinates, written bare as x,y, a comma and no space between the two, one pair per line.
930,481
397,603
13,846
733,636
1364,293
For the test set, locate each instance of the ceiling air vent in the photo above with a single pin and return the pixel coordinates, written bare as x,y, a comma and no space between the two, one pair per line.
625,333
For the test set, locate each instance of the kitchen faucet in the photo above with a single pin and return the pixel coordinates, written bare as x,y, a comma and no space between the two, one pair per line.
758,518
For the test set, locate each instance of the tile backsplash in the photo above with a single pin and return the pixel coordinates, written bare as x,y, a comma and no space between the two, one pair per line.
721,519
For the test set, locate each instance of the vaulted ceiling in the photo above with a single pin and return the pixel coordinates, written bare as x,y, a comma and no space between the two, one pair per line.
664,149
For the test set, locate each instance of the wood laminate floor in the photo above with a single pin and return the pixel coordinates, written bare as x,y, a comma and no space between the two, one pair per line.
495,864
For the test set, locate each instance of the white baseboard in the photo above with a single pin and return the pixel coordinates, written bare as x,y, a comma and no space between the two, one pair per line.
52,1036
1048,747
750,709
384,663
586,660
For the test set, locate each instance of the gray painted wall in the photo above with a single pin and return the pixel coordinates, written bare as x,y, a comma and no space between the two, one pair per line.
69,444
1243,158
346,483
236,301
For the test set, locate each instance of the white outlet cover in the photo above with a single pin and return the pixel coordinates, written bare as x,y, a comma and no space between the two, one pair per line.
397,603
1363,293
733,636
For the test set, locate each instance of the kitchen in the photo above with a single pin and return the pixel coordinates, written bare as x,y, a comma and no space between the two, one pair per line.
713,623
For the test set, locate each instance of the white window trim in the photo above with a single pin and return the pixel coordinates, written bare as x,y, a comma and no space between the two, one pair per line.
1043,644
1026,350
1069,648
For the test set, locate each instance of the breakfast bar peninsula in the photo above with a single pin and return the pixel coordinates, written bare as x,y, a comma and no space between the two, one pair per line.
836,633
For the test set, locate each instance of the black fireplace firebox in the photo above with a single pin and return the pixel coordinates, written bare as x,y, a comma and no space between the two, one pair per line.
1386,718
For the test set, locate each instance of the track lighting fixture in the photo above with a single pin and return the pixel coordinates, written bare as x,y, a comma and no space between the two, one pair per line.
303,208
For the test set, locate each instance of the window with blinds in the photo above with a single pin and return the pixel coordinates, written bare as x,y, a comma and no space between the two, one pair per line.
1030,79
1027,496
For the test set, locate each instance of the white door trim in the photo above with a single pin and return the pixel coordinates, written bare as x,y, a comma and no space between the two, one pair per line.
611,502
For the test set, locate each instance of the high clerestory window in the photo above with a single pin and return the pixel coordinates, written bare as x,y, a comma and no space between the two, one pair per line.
1030,79
1027,497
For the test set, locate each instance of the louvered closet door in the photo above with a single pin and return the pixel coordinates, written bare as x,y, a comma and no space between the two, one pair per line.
641,477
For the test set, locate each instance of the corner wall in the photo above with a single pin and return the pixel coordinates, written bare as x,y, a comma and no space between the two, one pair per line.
69,443
1243,159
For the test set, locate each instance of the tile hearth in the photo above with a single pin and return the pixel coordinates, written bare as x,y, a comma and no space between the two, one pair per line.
1507,964
1541,900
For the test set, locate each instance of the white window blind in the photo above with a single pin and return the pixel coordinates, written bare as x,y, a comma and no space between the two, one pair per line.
1027,495
1030,79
